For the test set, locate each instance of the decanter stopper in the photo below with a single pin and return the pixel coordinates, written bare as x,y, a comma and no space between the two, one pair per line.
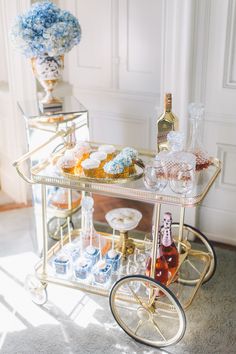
87,203
175,141
196,110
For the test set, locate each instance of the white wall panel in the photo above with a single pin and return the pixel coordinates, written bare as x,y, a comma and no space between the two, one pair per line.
140,33
92,61
115,129
230,48
217,214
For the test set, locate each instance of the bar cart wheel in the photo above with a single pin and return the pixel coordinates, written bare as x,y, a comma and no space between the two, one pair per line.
54,225
199,242
147,311
36,289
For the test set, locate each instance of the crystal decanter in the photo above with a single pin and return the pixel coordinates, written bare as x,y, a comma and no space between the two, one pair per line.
195,145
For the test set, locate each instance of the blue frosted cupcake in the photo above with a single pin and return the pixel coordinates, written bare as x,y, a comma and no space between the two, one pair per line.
114,169
126,162
132,153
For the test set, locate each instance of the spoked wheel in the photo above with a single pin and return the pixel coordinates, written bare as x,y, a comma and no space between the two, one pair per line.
199,242
36,289
54,227
147,311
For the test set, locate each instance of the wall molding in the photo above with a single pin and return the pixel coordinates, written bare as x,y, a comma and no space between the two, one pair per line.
222,151
214,117
230,43
21,86
214,228
200,51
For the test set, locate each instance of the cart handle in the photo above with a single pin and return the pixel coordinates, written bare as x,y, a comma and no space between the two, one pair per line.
18,163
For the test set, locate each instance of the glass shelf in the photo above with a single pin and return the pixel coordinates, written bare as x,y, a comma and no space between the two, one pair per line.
134,190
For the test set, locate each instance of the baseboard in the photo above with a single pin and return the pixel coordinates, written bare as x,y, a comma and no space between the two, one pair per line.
220,239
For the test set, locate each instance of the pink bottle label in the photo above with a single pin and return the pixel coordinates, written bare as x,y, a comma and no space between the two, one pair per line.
167,238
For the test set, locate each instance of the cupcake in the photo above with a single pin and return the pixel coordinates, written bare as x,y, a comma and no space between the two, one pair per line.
90,167
102,157
109,150
130,152
67,162
133,154
81,151
127,163
114,169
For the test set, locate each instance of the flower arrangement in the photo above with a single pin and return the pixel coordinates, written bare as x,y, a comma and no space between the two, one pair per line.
46,30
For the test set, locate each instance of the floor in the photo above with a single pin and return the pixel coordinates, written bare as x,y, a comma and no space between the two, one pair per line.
7,203
75,322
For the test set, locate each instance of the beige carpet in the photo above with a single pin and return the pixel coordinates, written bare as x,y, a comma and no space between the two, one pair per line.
74,322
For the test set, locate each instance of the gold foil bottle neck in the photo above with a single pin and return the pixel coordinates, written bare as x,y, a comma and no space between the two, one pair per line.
168,102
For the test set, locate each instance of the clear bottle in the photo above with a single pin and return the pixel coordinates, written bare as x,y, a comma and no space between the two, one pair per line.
161,266
168,247
166,123
194,144
92,243
88,232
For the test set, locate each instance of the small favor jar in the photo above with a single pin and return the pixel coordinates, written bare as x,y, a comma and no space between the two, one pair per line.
62,264
82,268
102,272
114,259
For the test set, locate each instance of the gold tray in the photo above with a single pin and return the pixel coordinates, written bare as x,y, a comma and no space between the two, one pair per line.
82,178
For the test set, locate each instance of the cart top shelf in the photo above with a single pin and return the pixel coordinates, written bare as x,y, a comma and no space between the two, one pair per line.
134,189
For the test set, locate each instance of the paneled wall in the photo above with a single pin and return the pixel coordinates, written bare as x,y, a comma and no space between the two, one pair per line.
217,215
116,69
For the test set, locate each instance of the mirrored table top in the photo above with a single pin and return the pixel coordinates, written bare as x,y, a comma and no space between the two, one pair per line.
30,109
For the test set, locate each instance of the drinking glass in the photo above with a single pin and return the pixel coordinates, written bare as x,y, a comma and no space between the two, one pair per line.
181,178
155,176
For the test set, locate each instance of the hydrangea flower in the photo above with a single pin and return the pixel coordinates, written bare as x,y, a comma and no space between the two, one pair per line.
45,30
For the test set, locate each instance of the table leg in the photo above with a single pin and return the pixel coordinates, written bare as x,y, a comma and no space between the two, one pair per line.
181,226
156,224
44,228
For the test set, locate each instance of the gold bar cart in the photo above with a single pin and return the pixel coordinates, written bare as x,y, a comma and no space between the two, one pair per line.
145,309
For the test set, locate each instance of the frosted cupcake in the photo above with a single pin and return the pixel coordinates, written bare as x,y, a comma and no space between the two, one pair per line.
102,158
81,151
114,169
127,163
90,167
133,154
109,150
128,151
67,162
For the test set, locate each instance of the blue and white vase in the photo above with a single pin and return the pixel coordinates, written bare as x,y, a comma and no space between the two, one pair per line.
48,70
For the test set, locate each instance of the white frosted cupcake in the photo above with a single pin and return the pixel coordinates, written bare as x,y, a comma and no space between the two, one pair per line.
109,150
67,162
81,151
90,167
102,157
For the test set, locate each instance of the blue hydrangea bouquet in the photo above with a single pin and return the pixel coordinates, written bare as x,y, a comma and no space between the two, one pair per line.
44,34
45,29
